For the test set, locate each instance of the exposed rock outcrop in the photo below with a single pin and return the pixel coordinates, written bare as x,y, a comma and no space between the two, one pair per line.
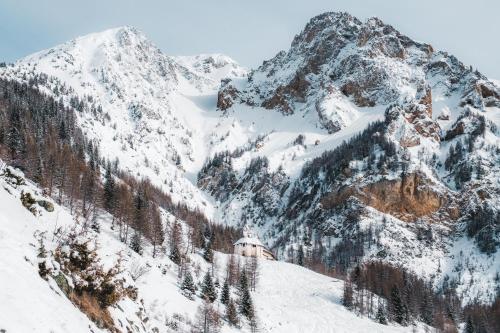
412,197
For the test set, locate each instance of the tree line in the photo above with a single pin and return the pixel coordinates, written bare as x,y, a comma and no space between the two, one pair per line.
405,298
40,136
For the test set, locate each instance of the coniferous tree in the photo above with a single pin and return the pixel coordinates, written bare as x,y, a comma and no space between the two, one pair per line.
300,256
469,327
231,313
188,288
347,297
245,300
175,254
426,310
243,282
42,255
208,253
15,138
225,295
381,315
397,306
246,304
208,290
175,243
136,242
109,190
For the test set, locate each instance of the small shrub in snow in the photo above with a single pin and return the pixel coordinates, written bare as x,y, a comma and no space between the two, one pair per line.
137,270
28,201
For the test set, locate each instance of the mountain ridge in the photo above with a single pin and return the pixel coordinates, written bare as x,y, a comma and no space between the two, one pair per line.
239,152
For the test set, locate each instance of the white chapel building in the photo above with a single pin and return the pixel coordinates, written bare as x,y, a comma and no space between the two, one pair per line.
251,246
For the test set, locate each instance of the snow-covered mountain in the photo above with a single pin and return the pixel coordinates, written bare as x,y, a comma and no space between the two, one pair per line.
396,181
32,304
265,147
146,109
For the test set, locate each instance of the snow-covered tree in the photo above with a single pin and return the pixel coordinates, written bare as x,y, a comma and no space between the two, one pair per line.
225,294
109,194
381,315
245,301
175,254
208,253
136,242
300,256
347,297
232,314
208,290
398,310
188,288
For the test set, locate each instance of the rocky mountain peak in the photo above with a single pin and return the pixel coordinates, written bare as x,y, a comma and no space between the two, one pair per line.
339,60
326,26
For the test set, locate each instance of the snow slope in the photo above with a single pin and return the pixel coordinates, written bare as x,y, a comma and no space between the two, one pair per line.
30,304
288,298
293,299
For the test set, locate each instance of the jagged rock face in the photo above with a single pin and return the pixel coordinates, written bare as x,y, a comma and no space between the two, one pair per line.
409,198
254,198
227,95
337,52
409,124
339,60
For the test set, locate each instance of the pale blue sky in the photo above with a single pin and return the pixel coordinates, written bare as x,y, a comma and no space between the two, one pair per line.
249,31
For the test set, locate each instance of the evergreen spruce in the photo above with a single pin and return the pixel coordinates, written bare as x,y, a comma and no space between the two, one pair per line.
245,301
469,327
300,256
224,296
427,310
42,255
109,190
381,315
136,243
347,297
398,308
232,314
246,305
175,254
188,288
15,138
208,253
207,290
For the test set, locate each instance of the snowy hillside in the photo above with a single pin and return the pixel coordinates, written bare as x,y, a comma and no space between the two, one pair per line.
288,298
